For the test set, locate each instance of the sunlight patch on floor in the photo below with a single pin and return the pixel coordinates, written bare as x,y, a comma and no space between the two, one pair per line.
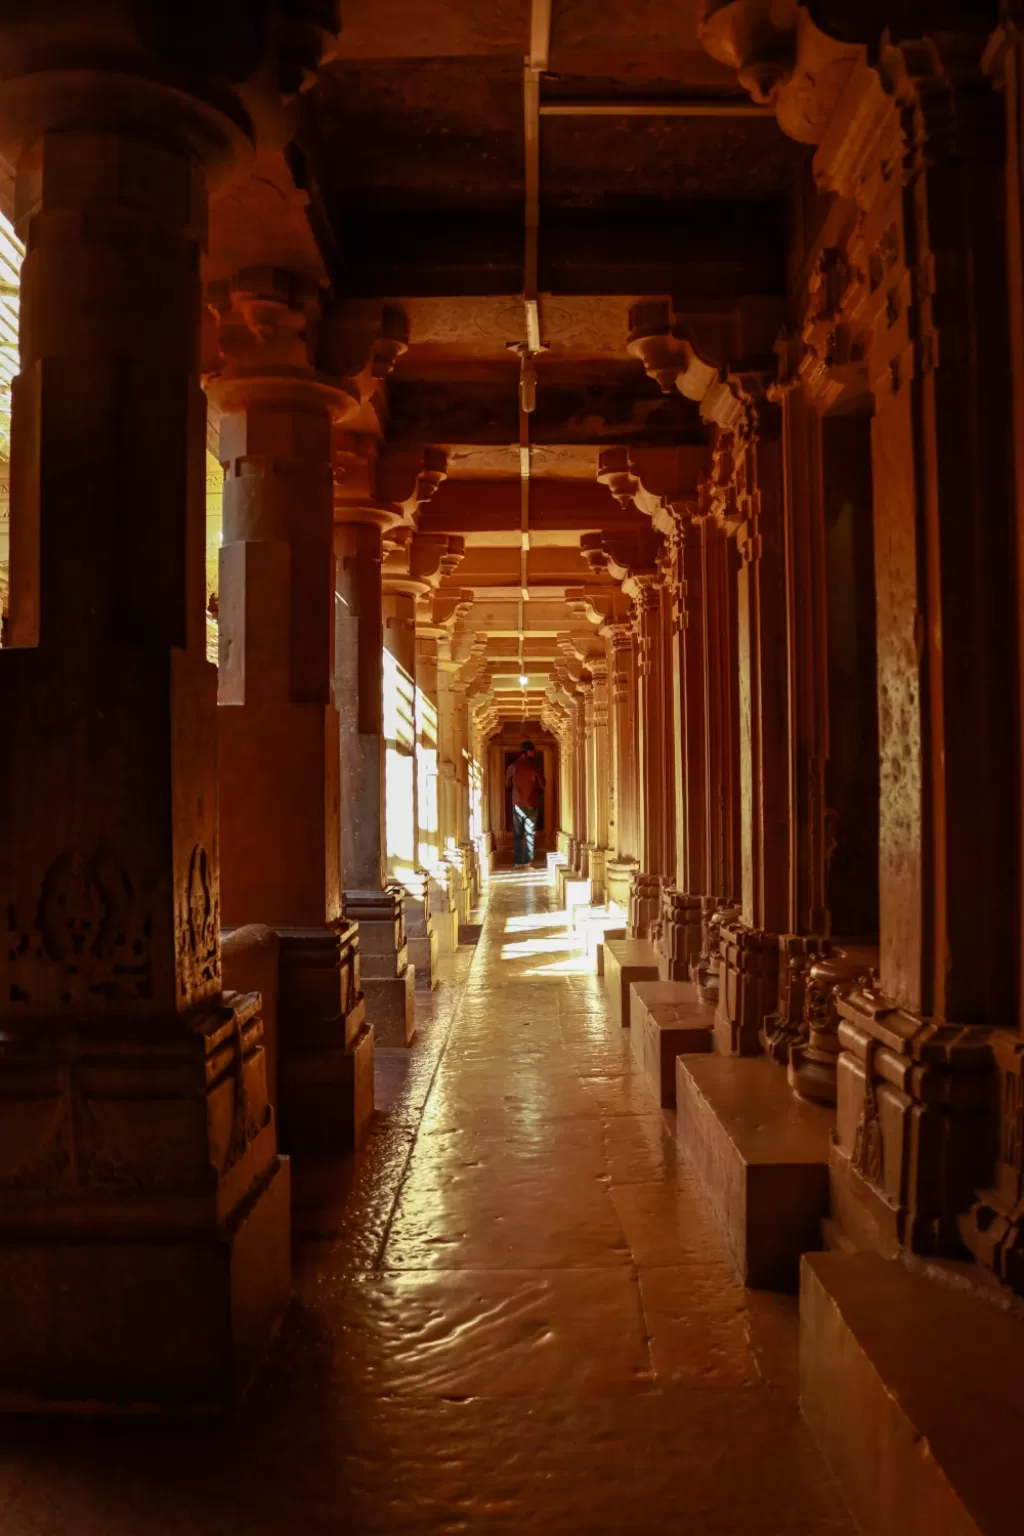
538,946
573,965
530,922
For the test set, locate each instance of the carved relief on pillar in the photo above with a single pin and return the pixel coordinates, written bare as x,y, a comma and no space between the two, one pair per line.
715,913
681,932
786,1027
836,972
645,906
913,1125
748,987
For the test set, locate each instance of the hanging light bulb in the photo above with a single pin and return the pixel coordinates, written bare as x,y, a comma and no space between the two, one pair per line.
523,679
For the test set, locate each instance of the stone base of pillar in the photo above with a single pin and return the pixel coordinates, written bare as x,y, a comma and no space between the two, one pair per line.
459,886
748,988
644,906
914,1126
618,879
598,861
325,1043
388,980
680,934
144,1211
470,875
423,951
420,938
485,854
392,1002
444,916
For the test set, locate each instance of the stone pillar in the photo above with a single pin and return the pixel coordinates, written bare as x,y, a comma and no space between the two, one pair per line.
402,779
144,1243
682,903
923,269
994,1227
581,834
277,724
465,851
750,466
429,815
645,894
599,757
621,867
370,898
448,801
718,585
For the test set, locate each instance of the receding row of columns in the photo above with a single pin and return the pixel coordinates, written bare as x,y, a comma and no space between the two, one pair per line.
813,803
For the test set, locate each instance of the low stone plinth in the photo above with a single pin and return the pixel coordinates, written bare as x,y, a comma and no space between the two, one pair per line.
602,935
391,1006
423,950
761,1155
330,1096
912,1389
667,1020
250,957
578,895
626,961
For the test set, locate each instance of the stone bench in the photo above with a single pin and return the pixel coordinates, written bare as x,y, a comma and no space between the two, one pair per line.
667,1019
912,1387
626,961
761,1155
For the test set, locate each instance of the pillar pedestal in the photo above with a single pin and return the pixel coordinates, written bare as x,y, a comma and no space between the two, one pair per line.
748,989
644,905
913,1129
421,940
144,1247
327,1064
444,912
680,935
388,980
618,878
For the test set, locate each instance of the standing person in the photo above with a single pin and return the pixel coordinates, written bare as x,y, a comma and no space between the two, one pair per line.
527,784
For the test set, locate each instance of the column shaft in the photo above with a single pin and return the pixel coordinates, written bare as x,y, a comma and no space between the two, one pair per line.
278,727
369,898
137,1144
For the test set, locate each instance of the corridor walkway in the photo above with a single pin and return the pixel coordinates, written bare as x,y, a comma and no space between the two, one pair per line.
515,1317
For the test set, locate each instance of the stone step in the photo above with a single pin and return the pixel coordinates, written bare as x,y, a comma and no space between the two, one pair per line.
626,961
667,1020
761,1155
913,1390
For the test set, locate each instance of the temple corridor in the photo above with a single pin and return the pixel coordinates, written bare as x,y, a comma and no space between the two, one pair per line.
518,1315
511,767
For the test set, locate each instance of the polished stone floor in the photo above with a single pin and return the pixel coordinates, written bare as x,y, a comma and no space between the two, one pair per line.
512,1313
